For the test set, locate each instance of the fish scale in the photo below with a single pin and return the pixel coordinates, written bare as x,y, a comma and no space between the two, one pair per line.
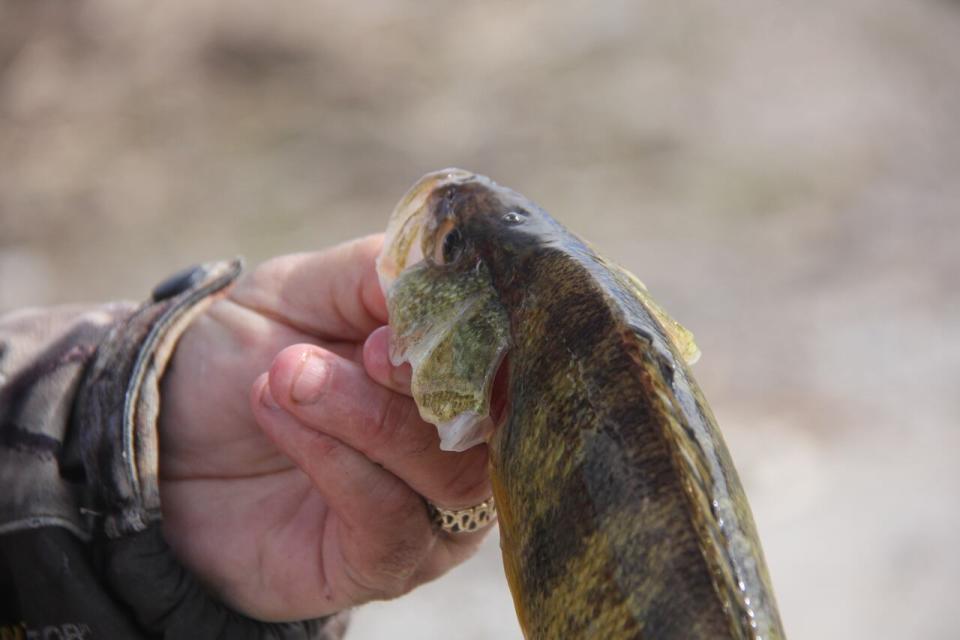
621,513
618,489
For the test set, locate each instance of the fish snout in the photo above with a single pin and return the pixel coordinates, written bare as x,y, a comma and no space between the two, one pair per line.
403,242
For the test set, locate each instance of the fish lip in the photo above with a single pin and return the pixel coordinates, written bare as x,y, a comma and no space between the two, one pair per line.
405,227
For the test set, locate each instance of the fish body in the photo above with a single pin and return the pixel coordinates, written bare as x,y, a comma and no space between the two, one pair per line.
621,513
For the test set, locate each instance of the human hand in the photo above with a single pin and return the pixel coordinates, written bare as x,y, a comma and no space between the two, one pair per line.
297,493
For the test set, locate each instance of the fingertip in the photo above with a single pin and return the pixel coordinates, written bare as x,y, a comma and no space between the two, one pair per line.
298,374
376,360
287,360
374,299
372,296
376,353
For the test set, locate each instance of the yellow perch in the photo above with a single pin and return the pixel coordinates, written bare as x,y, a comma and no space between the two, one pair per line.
621,513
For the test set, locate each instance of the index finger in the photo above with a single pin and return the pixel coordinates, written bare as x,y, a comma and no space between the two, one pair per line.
333,294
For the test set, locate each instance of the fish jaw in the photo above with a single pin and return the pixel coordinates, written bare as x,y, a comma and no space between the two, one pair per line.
447,323
454,333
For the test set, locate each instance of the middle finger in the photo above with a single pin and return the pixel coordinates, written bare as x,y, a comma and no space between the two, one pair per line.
336,397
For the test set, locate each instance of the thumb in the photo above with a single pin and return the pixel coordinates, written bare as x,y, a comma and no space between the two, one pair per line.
332,294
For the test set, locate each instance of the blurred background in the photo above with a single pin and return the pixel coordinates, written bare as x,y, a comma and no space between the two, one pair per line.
785,177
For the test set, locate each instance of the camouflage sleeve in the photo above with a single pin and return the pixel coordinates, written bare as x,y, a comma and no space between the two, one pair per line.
81,550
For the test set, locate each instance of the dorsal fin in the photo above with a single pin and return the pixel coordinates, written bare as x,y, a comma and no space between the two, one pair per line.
680,336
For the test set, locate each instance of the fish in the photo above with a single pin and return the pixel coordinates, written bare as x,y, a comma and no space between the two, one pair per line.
621,514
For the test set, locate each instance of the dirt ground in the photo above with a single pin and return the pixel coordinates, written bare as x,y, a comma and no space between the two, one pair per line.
785,177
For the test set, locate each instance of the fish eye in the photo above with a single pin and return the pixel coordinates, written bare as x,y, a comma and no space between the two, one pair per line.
451,245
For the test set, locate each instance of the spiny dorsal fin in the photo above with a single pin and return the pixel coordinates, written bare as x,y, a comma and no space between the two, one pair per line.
681,337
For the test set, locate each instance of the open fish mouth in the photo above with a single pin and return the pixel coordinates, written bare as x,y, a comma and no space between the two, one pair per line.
447,320
403,241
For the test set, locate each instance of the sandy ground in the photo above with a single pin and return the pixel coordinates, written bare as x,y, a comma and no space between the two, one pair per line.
784,176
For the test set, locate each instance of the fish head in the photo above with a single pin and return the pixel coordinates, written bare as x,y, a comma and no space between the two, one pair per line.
448,240
454,246
457,219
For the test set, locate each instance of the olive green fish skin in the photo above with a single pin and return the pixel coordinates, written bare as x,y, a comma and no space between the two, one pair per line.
621,514
464,326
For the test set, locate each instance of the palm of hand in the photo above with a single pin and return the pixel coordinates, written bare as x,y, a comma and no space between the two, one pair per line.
297,494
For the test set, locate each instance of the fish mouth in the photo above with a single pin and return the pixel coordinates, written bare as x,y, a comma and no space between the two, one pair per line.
403,241
469,429
460,381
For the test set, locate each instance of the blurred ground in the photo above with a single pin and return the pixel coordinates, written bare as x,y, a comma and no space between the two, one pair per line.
784,176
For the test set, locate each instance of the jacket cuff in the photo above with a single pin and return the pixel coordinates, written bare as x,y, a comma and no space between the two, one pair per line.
169,602
115,416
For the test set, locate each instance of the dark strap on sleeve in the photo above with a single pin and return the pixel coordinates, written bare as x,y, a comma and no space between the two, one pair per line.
115,416
101,568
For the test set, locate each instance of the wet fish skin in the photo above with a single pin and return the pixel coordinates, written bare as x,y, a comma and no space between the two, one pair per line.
621,513
452,330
